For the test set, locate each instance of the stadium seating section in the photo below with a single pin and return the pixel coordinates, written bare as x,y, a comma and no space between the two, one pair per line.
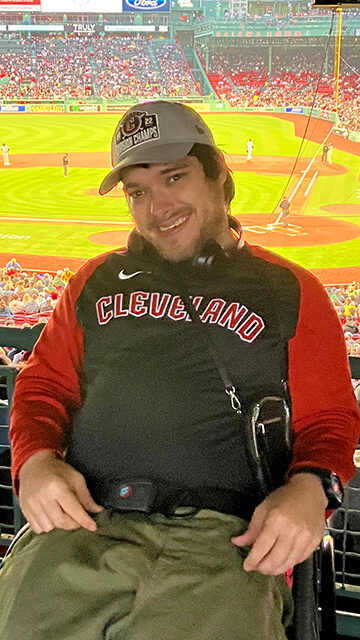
119,67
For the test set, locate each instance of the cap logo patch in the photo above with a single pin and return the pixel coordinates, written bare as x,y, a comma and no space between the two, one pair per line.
136,128
199,129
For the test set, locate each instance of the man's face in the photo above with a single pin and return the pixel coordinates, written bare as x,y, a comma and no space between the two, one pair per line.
175,207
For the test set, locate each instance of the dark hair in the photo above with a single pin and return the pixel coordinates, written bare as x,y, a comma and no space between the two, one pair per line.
213,161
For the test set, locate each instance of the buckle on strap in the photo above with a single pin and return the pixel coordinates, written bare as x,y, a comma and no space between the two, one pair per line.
181,503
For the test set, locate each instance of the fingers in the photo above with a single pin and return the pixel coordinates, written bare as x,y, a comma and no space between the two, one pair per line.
54,518
285,528
64,512
39,522
259,554
83,494
277,546
72,508
54,495
274,557
253,530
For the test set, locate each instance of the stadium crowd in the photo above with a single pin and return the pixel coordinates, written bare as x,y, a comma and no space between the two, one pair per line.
115,67
270,19
26,297
346,300
58,67
295,80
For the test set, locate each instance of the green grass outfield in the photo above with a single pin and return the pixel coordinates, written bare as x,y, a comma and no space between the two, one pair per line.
44,193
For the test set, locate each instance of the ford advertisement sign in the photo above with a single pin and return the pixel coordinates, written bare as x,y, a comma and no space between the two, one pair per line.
146,5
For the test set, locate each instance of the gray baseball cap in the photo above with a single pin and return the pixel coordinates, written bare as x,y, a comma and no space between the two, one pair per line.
154,132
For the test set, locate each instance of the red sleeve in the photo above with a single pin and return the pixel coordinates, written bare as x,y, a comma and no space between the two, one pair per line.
326,418
48,389
325,414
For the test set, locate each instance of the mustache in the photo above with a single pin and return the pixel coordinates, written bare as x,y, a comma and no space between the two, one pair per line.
156,221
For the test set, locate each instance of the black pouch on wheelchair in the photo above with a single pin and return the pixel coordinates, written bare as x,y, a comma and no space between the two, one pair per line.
269,442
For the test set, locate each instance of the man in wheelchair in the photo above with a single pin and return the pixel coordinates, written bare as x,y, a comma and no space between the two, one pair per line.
152,451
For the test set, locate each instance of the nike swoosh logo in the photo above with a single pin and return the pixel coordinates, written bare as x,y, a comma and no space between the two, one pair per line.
126,276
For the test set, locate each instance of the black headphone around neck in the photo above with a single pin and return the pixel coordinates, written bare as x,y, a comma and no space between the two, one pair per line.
212,249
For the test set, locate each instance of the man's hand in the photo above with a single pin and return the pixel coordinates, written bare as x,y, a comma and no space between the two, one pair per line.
53,495
286,527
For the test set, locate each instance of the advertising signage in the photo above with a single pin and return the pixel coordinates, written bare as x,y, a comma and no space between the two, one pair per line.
20,5
47,108
155,6
12,108
117,108
127,28
88,29
36,27
81,6
85,108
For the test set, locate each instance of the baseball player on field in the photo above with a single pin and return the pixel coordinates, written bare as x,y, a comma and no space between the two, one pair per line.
5,152
249,149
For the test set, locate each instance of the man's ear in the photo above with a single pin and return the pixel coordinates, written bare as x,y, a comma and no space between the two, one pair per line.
223,173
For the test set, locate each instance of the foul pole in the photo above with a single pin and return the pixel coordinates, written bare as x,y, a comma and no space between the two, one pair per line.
337,61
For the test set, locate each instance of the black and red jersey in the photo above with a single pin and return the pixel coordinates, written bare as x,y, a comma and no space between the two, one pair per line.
124,381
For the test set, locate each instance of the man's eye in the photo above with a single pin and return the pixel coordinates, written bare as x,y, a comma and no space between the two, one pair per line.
136,194
175,177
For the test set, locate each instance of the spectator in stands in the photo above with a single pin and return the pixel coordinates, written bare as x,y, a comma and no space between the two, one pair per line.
8,288
32,305
9,322
351,326
33,280
4,359
26,298
13,266
349,306
20,291
66,275
15,304
46,279
5,311
39,286
47,304
58,281
18,357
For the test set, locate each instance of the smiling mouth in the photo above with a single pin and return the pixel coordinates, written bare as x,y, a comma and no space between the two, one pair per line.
174,225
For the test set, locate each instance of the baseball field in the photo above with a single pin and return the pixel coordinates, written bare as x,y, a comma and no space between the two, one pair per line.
49,221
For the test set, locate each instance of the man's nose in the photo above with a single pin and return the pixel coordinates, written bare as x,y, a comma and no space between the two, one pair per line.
161,203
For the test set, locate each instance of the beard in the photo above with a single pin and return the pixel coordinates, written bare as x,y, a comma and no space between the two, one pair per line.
213,227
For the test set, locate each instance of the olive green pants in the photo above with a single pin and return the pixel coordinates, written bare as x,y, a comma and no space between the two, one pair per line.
140,578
